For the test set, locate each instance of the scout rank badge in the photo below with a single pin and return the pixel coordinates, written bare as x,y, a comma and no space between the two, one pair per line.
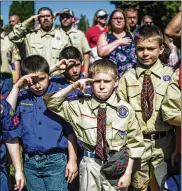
167,78
122,111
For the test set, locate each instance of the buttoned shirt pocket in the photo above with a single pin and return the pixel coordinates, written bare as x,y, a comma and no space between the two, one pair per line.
26,113
88,131
36,48
119,135
134,96
160,93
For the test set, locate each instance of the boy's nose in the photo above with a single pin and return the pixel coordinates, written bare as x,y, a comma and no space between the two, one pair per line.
102,85
145,52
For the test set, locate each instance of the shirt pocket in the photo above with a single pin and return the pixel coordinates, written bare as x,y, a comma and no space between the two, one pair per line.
134,96
36,48
26,114
160,93
119,135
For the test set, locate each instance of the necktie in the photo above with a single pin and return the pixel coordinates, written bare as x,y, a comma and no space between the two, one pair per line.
102,151
147,96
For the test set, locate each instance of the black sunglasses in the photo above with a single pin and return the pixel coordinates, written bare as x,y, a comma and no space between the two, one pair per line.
65,16
103,17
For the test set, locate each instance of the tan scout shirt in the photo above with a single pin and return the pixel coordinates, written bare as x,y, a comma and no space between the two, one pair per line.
9,52
171,106
46,44
130,87
77,39
121,129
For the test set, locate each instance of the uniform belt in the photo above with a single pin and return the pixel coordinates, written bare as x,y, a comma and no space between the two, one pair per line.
92,155
51,151
6,75
157,135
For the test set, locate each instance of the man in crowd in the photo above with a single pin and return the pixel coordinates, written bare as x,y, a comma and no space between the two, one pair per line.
75,37
46,41
132,18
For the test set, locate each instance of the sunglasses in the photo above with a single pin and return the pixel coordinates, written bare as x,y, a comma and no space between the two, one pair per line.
65,16
103,17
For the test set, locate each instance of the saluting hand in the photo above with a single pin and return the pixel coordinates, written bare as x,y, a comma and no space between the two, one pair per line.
33,18
82,84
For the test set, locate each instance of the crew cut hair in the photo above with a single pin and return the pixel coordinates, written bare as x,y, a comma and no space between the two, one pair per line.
103,66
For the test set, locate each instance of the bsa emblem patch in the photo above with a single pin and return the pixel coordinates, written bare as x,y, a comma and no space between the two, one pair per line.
122,111
57,38
166,78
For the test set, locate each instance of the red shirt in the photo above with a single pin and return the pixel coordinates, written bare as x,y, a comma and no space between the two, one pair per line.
93,33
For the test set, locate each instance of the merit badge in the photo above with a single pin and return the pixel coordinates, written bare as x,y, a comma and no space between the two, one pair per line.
57,38
166,78
122,111
1,109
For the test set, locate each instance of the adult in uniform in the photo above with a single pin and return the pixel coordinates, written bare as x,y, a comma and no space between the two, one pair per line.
75,37
121,127
46,41
8,52
144,87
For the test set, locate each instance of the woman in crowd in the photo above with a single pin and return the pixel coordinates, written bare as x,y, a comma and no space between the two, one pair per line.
118,43
93,33
147,20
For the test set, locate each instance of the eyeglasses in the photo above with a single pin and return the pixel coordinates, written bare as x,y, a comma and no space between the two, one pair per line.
103,17
117,18
65,16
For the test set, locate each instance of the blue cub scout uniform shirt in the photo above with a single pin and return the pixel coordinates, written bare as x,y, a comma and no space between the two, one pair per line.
8,122
41,130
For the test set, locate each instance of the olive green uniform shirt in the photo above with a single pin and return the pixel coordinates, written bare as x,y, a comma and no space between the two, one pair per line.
39,42
77,39
130,87
171,106
121,127
9,52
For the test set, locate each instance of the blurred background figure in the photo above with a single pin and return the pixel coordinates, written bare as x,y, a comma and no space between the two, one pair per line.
147,20
9,52
132,19
118,44
13,20
93,33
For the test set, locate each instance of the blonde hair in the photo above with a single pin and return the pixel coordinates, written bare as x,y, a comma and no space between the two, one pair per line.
103,66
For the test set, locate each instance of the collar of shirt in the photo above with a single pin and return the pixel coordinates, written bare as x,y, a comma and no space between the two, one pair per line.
51,33
112,101
72,30
156,69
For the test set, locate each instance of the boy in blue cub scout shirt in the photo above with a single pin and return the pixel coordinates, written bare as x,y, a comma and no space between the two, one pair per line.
45,137
9,121
70,61
121,127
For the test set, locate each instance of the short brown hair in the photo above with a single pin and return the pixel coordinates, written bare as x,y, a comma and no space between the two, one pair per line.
102,66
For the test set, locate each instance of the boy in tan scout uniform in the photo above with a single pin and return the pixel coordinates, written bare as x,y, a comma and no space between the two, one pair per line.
121,127
144,88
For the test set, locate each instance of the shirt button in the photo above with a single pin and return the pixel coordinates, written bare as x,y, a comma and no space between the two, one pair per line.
39,122
40,107
23,110
40,138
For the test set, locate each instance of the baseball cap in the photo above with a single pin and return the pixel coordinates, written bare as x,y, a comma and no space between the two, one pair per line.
67,11
101,13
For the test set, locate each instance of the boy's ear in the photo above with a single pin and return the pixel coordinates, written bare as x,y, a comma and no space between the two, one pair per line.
161,49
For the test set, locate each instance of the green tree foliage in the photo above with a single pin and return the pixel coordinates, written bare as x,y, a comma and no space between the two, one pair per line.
83,25
161,11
